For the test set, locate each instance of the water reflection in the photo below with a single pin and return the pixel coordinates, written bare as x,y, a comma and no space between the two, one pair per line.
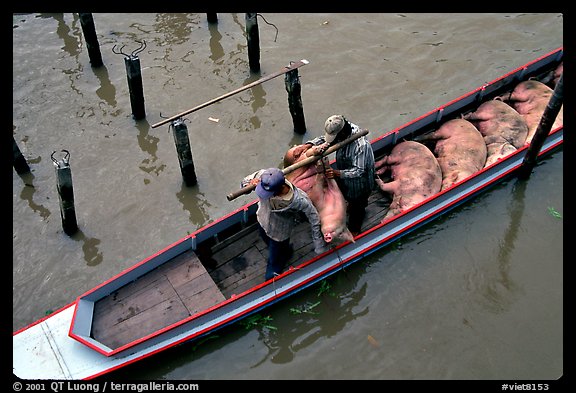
149,144
28,192
302,328
72,42
494,293
106,91
91,254
195,203
216,49
176,27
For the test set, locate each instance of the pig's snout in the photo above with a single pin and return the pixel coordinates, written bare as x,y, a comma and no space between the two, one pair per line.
328,237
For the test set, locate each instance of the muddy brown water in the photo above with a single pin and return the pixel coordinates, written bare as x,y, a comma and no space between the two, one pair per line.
477,294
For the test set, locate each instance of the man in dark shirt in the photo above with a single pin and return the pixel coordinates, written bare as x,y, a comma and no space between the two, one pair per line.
354,171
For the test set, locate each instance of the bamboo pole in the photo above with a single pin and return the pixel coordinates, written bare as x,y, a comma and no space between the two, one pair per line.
249,188
290,67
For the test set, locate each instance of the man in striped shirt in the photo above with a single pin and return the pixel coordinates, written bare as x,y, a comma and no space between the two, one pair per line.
354,171
280,208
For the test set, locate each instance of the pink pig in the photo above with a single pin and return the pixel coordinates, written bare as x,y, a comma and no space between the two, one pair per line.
503,128
324,192
415,173
530,99
459,148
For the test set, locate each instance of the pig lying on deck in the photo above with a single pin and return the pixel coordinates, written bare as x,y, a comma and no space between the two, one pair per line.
324,192
415,173
503,128
460,150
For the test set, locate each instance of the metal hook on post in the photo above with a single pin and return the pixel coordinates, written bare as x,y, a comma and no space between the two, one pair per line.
65,162
134,75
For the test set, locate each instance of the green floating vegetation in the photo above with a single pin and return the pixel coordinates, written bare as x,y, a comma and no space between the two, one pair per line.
257,320
305,308
325,287
553,212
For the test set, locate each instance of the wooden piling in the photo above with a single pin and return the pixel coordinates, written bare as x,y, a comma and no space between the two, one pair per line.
134,75
66,194
180,132
212,17
19,163
89,31
544,127
253,37
292,83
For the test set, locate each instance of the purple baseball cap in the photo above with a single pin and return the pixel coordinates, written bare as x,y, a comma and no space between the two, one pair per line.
270,182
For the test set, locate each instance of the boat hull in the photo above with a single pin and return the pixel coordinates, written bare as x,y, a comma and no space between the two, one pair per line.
63,343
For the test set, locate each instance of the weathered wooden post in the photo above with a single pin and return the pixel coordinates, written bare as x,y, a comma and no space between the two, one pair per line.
134,76
89,30
19,162
65,193
253,37
180,132
292,83
544,127
212,17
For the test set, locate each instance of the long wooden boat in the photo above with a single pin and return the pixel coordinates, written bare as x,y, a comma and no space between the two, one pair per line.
215,276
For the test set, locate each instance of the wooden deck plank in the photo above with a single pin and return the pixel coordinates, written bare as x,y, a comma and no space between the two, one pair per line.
245,267
230,251
117,322
200,293
158,317
179,288
184,270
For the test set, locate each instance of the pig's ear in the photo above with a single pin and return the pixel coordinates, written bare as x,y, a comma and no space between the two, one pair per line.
347,235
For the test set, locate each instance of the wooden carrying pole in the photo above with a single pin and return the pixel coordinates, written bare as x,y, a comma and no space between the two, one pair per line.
249,188
292,66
